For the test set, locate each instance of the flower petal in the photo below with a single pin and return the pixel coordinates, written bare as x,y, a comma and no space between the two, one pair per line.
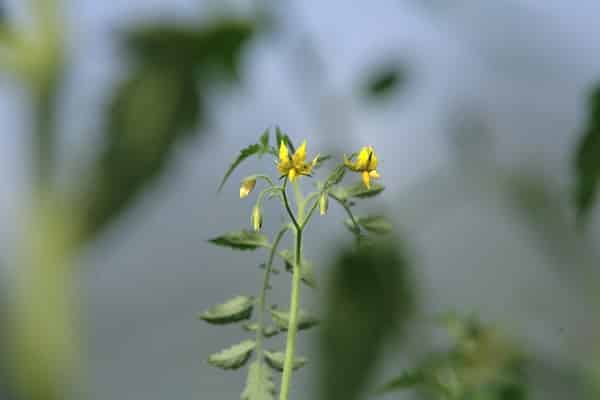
366,179
292,174
374,174
363,159
284,155
300,154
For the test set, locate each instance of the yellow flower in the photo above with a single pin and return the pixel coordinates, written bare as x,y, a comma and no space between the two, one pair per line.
246,187
366,164
296,165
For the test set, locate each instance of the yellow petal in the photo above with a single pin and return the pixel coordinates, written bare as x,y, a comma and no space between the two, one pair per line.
366,179
292,174
300,154
283,152
373,163
363,159
374,174
256,219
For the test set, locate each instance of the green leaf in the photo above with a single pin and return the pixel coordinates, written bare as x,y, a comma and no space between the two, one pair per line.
360,190
268,331
322,160
307,268
241,240
235,309
368,301
375,223
587,158
280,136
386,80
282,320
264,140
336,176
276,359
246,152
407,380
233,357
259,384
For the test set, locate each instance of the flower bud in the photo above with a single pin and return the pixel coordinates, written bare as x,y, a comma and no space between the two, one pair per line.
323,203
246,187
256,218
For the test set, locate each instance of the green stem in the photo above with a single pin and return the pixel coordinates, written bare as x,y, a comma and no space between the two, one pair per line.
349,212
290,348
286,202
263,293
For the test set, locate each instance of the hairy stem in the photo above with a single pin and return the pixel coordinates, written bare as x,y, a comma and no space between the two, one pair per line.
263,293
290,348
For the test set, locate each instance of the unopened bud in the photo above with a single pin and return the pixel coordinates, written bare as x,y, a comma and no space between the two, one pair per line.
323,203
256,218
246,187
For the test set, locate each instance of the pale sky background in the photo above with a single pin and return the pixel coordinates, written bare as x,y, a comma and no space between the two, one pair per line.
524,67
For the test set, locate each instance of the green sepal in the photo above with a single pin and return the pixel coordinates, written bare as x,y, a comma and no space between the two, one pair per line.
235,309
276,360
241,240
233,357
282,320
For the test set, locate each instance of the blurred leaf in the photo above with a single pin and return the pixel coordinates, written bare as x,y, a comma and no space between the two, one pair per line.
154,108
322,160
336,176
361,191
276,359
407,380
282,320
242,240
264,139
385,81
587,158
235,309
259,384
369,299
233,357
374,223
268,331
307,268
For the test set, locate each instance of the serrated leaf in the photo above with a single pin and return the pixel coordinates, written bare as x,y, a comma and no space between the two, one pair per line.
321,160
233,357
361,191
375,223
264,140
282,320
241,240
268,331
259,384
407,380
587,158
336,176
307,268
246,152
280,136
235,309
276,360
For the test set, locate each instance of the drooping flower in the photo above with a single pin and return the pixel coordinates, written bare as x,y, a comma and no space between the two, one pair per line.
365,164
296,165
246,187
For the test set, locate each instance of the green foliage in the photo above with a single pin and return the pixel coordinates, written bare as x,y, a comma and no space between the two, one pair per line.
368,300
241,240
233,357
268,331
385,81
307,268
282,320
246,152
155,107
359,190
587,158
280,136
406,380
235,309
259,384
275,360
375,224
322,160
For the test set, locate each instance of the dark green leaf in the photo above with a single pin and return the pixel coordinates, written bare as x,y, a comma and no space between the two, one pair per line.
276,360
242,240
587,158
233,357
268,331
282,320
264,140
385,81
359,190
369,300
322,160
235,309
246,152
336,176
259,384
280,136
407,380
307,268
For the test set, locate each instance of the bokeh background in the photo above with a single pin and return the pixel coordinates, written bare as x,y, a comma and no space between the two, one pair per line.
477,136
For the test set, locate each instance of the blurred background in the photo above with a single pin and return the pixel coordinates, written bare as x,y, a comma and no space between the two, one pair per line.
476,109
